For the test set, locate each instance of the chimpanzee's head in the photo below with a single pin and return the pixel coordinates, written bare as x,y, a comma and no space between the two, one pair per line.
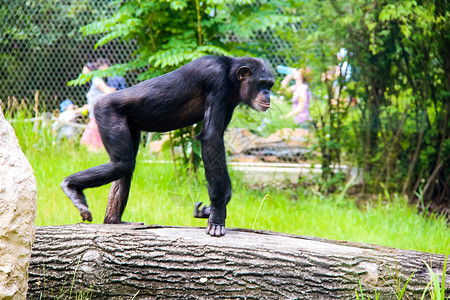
256,80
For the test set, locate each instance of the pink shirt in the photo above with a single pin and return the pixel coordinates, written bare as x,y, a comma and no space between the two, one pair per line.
303,116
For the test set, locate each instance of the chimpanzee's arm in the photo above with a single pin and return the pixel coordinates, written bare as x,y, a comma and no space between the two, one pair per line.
219,184
214,160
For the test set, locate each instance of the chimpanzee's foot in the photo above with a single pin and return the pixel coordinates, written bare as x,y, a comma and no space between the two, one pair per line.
203,213
78,199
86,215
215,229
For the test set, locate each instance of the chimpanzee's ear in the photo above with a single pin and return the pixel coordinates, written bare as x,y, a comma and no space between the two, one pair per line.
243,72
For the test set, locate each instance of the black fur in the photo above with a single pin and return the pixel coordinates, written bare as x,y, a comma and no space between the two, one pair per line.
207,89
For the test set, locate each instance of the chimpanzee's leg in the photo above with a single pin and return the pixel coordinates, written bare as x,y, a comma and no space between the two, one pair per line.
118,141
118,195
219,184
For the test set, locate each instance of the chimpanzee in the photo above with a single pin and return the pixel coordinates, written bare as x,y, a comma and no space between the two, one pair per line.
209,89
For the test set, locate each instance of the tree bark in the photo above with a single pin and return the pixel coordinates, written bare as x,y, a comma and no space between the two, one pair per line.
147,262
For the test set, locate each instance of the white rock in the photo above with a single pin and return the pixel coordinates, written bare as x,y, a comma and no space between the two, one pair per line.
18,193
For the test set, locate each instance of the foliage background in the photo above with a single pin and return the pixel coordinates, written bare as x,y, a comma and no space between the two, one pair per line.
398,130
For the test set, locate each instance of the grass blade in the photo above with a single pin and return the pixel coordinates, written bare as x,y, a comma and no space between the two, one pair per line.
436,291
425,291
257,213
443,279
360,288
400,295
73,279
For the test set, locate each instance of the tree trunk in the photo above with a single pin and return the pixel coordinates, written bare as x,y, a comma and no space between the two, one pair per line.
142,262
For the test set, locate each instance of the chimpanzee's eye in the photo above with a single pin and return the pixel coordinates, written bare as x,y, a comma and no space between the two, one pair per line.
266,83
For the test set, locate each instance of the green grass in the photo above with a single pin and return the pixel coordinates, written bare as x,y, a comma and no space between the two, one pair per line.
157,198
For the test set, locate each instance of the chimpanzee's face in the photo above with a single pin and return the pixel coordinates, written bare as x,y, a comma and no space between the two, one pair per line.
256,82
261,95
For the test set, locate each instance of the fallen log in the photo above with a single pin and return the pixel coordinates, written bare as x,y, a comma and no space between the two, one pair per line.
146,262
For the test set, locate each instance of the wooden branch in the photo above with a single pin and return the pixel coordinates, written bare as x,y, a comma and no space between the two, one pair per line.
142,262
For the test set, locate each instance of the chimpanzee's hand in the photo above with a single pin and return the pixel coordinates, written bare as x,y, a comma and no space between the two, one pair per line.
203,213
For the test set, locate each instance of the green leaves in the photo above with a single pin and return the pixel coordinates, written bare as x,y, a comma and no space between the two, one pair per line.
168,32
407,14
178,5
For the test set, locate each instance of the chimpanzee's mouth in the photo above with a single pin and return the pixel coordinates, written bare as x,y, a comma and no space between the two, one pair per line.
263,104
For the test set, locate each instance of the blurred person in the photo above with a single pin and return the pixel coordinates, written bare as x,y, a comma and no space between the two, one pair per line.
117,82
68,114
91,137
338,75
301,97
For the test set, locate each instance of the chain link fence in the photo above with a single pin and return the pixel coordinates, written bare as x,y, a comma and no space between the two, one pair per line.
41,49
